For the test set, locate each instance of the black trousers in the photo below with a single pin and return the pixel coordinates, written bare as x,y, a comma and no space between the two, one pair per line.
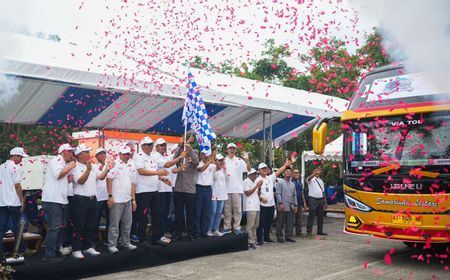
148,202
316,208
265,223
184,201
84,213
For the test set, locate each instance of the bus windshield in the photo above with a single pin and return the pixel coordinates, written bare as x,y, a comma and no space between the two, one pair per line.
414,140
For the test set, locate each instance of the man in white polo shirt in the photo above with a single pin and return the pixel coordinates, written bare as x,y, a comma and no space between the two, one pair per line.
12,202
101,169
252,191
54,200
268,200
84,204
147,197
120,183
166,184
317,201
233,205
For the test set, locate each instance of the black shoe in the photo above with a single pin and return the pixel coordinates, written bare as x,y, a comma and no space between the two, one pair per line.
53,260
145,244
160,243
290,240
260,243
176,237
280,240
322,233
252,246
268,240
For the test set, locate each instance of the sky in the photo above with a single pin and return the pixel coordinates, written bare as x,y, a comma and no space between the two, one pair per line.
173,31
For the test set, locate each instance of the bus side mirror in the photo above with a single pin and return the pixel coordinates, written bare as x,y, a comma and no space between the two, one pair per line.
320,132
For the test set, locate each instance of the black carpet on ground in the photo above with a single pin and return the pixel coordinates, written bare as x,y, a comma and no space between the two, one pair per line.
129,260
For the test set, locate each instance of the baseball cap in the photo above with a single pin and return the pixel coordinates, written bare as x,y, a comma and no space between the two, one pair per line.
65,147
125,150
82,148
18,151
219,157
231,145
262,165
160,141
206,152
100,150
252,171
146,140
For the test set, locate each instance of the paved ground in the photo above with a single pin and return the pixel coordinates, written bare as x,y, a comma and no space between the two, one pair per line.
338,256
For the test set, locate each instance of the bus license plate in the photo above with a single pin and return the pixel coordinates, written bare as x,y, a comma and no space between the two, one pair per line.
407,220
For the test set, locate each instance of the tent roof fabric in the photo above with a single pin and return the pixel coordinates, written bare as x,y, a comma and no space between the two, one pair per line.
58,86
333,151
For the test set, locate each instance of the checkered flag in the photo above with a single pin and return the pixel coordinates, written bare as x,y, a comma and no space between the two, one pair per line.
195,115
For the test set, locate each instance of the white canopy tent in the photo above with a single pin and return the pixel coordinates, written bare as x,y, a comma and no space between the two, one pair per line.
61,84
332,152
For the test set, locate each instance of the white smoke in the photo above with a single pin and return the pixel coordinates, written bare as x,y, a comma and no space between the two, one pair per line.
416,31
10,20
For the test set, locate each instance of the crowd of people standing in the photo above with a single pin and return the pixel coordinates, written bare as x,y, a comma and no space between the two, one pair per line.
197,188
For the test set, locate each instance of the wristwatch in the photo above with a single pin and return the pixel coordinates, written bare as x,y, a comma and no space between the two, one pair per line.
110,195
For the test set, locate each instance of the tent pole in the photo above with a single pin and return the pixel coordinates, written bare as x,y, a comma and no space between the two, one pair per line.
264,138
303,169
271,156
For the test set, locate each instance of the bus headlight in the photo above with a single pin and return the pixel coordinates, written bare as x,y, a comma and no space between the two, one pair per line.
355,204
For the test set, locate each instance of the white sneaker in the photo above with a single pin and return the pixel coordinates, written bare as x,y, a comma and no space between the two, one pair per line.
91,252
129,247
209,233
77,255
65,250
113,250
217,233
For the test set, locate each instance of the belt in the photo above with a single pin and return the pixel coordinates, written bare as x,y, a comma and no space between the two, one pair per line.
317,198
85,197
202,186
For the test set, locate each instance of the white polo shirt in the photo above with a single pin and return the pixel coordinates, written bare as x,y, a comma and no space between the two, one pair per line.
122,177
251,203
10,175
316,187
146,183
102,191
267,189
206,178
235,169
54,189
160,161
89,188
219,186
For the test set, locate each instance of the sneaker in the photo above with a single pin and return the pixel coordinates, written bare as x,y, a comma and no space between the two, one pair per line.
268,240
251,246
166,240
217,233
65,251
77,255
260,243
290,240
226,231
91,252
238,231
129,247
209,233
134,238
113,250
